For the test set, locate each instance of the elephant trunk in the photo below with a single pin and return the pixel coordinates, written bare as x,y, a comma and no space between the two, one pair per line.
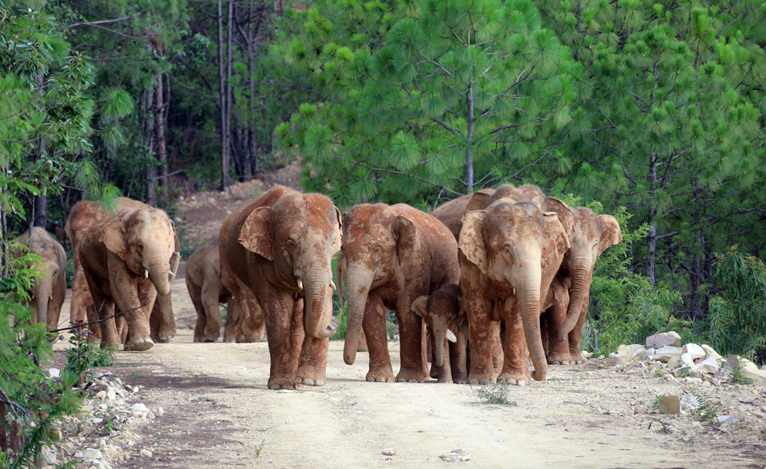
579,288
439,338
318,308
358,282
158,272
529,303
42,297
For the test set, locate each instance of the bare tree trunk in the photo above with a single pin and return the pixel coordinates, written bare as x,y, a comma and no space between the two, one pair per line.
151,198
159,116
41,201
468,153
223,95
651,239
252,143
229,61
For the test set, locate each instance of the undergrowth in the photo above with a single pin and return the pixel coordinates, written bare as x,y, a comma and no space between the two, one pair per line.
495,393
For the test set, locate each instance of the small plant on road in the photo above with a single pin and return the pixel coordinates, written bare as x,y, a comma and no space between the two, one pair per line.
495,393
737,375
708,409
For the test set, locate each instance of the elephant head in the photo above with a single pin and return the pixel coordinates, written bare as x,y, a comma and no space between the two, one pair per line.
440,312
299,234
515,245
589,236
375,239
145,240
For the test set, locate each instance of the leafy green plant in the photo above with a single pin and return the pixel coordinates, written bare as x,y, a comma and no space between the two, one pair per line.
495,393
684,372
708,408
656,402
341,317
15,287
737,374
108,426
82,355
658,373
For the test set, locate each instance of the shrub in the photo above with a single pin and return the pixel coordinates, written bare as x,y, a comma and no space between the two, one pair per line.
495,393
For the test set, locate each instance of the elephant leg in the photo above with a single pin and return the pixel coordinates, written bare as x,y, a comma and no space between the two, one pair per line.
195,293
154,323
411,349
285,337
374,325
123,331
362,347
163,308
232,318
497,346
210,304
558,352
479,318
135,303
253,325
575,335
458,355
312,363
516,364
54,306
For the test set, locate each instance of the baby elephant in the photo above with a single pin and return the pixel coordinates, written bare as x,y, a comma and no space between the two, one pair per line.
208,290
445,318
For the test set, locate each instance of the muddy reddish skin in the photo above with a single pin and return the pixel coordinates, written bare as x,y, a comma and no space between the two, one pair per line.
49,291
207,291
115,255
589,236
279,246
83,216
393,255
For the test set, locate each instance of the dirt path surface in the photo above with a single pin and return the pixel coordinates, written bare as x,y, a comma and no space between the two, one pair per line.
218,412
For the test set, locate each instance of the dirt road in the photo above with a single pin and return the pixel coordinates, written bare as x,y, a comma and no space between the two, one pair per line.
217,412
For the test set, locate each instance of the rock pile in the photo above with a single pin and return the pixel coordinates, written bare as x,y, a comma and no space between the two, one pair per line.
102,433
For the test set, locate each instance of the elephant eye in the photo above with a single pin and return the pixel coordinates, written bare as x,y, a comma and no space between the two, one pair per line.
290,242
377,250
140,246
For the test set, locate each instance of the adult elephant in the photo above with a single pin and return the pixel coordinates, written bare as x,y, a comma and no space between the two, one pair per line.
451,213
84,216
280,246
49,289
392,255
509,254
208,290
589,236
127,262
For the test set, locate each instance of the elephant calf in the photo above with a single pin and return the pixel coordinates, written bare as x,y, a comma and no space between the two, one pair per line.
208,290
49,290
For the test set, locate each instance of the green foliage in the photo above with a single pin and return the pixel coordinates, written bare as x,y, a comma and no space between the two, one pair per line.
737,374
341,317
84,355
16,286
708,408
495,393
737,317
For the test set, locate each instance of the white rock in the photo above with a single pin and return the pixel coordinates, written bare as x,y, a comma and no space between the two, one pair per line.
101,395
669,350
694,350
139,408
710,352
111,395
707,365
54,372
146,453
726,419
663,339
388,451
687,359
49,457
160,412
92,454
617,360
97,420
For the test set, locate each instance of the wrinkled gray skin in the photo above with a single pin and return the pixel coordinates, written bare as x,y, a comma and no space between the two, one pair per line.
49,290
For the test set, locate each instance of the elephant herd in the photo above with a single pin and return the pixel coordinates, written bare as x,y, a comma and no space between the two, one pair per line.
479,287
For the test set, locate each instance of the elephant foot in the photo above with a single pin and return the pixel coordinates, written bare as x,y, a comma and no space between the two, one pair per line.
514,378
444,380
281,382
560,359
381,375
410,376
576,358
308,376
139,345
460,378
434,373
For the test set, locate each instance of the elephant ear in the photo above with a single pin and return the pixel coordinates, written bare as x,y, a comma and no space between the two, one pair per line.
556,239
419,306
406,235
471,242
255,235
565,214
113,236
610,233
339,239
479,201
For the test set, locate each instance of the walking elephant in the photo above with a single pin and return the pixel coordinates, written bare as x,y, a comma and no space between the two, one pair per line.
445,317
84,216
391,256
589,236
279,246
509,254
49,289
128,260
208,290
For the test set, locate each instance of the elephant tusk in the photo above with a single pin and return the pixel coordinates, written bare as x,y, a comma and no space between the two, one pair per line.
146,273
332,285
451,336
300,284
171,273
50,297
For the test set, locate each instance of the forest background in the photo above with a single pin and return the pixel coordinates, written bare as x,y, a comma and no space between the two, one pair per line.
650,110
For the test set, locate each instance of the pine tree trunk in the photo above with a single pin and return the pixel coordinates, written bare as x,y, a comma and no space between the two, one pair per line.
150,197
252,143
468,152
229,62
159,116
651,239
41,201
224,108
694,301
